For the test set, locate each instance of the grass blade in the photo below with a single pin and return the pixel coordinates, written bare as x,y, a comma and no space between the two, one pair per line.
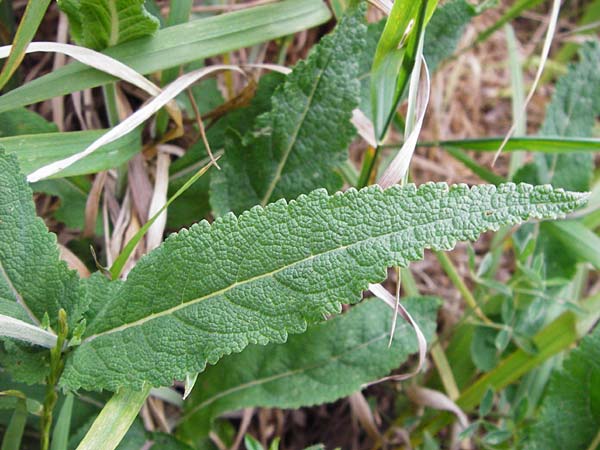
14,432
38,150
528,143
179,45
60,436
30,22
115,419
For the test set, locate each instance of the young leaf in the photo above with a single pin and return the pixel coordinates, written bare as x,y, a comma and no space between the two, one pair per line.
31,273
99,24
294,148
215,288
331,360
570,412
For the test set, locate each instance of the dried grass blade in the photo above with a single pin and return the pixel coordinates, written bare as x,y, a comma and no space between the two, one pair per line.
381,293
133,121
399,165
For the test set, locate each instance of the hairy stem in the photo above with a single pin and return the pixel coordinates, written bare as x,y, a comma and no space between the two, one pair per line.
56,368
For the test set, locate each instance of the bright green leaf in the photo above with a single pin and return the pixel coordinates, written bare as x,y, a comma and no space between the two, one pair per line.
99,24
215,288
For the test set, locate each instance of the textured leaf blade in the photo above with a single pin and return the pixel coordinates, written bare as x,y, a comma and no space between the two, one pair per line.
99,24
331,360
213,289
295,147
31,273
570,412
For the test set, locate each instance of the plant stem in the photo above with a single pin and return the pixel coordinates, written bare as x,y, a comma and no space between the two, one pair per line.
458,282
56,368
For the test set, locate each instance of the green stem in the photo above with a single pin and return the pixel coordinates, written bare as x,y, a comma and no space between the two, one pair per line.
371,156
56,368
458,282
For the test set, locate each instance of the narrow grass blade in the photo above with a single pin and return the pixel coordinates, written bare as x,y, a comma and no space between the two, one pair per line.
553,21
514,11
16,427
93,59
517,94
381,293
119,263
17,329
34,13
115,419
60,435
177,45
529,143
38,150
394,60
398,168
133,121
476,168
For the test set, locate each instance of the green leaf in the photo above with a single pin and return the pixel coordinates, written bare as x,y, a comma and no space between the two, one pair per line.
23,121
99,24
16,427
60,434
215,288
177,45
445,29
36,151
295,147
31,273
118,415
556,144
395,57
34,13
331,360
570,412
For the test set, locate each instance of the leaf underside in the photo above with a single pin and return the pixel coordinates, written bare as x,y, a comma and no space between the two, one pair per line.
215,288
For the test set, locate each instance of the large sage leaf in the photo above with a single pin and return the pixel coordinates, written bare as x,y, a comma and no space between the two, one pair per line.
33,280
215,288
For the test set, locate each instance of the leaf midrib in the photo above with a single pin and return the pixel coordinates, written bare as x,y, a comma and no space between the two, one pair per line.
294,137
232,286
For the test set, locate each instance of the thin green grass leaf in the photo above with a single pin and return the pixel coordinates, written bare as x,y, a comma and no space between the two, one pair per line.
36,151
61,432
34,13
117,416
14,432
